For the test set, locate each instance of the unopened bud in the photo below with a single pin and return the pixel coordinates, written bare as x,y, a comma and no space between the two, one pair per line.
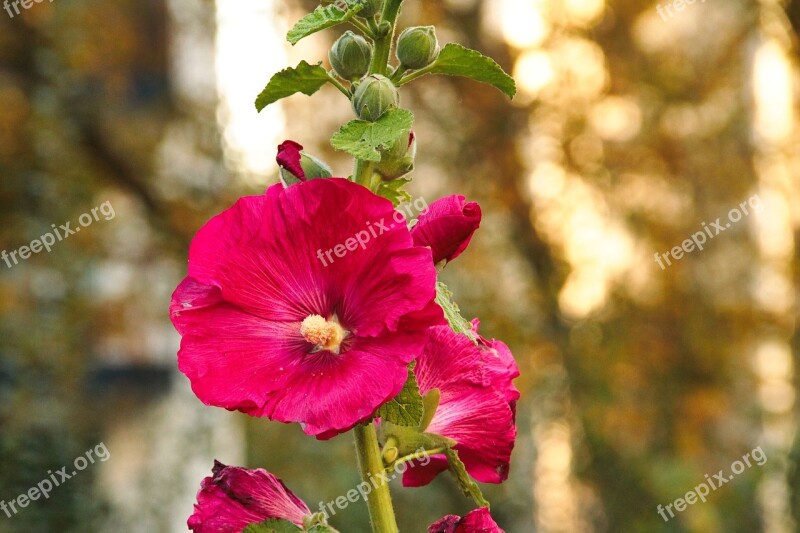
399,159
296,165
375,96
417,47
371,8
350,56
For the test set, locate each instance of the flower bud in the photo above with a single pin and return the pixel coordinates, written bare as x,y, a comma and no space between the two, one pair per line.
297,166
399,159
447,226
371,8
375,96
417,47
350,56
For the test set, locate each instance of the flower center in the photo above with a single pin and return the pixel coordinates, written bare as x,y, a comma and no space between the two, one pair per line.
323,334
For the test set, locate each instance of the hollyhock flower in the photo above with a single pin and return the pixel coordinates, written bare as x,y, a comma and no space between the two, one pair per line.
476,521
476,406
234,498
305,304
447,227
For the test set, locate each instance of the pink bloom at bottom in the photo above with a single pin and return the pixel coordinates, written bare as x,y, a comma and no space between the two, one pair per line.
477,521
234,497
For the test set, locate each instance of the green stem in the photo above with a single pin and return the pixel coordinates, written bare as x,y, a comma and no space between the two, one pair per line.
383,43
416,74
363,172
363,28
336,83
370,465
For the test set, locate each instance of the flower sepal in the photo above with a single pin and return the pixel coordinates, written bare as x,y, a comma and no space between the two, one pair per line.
315,523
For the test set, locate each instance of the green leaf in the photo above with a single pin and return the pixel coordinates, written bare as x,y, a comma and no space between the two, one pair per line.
363,139
273,525
322,18
429,402
406,408
457,60
322,528
466,483
305,78
452,313
393,190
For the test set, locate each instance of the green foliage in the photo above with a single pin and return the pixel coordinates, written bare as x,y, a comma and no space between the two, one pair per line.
304,78
363,139
452,313
465,483
405,409
322,18
393,191
273,525
457,60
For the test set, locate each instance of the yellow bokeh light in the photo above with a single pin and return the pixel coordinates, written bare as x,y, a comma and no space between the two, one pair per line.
533,72
523,23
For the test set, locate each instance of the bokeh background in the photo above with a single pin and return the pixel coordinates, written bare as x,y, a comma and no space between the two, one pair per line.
630,130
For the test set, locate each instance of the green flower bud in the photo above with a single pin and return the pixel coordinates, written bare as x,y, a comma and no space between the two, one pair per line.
314,167
399,159
375,96
350,56
418,47
371,8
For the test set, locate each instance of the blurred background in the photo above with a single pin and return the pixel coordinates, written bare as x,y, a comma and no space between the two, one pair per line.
634,125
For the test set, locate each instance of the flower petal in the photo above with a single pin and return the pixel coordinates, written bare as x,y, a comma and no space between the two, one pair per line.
234,498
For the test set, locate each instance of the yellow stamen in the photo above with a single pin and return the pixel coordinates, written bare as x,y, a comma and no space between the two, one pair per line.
324,334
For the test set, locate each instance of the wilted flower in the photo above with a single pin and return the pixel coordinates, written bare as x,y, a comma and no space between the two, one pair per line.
282,318
447,227
476,521
233,498
476,407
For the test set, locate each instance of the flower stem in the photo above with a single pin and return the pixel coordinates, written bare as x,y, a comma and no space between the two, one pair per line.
370,465
383,43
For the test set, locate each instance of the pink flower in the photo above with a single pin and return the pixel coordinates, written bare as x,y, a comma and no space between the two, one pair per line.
476,521
234,498
476,407
289,159
286,315
447,227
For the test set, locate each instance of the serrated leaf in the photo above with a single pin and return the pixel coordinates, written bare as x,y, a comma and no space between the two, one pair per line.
465,483
322,18
406,408
452,313
273,525
457,60
394,192
363,139
304,78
